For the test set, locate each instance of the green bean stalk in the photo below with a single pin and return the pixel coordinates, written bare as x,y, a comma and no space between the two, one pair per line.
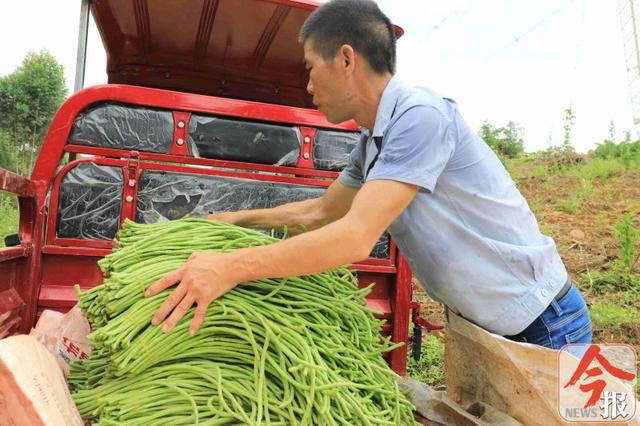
293,351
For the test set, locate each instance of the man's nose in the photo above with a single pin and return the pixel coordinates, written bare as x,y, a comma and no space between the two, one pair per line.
310,87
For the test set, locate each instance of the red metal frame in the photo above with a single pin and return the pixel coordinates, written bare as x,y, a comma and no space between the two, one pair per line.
394,301
130,184
180,146
20,266
224,164
307,137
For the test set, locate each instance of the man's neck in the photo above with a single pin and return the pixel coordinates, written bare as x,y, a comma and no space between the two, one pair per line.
370,95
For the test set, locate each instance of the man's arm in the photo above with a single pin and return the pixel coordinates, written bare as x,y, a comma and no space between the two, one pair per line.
208,275
298,216
347,240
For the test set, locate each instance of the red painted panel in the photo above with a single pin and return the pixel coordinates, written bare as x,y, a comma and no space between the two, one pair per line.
245,49
68,270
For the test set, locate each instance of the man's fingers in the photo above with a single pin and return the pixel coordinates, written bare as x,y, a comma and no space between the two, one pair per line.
178,313
169,303
198,317
165,282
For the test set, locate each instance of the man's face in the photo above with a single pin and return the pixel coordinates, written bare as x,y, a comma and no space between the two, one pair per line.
327,85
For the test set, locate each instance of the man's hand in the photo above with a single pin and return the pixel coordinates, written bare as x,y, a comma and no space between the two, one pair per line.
204,278
227,217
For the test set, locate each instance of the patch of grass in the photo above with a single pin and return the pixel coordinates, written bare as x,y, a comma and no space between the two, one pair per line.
601,221
585,190
612,280
606,197
547,228
430,367
623,276
541,172
606,313
569,205
598,168
582,194
9,216
537,207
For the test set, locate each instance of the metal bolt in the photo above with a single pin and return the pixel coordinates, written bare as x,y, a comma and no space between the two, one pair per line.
129,198
306,155
180,142
181,124
307,139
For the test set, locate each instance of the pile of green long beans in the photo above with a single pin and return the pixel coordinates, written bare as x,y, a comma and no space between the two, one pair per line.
295,351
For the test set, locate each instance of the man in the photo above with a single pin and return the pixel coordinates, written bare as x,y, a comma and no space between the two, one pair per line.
420,172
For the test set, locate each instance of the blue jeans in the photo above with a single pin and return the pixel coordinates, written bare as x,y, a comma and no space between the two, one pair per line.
564,321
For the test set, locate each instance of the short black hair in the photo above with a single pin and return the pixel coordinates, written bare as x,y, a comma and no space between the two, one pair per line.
358,23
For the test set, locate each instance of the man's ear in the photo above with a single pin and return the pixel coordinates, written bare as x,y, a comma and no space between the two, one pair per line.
346,56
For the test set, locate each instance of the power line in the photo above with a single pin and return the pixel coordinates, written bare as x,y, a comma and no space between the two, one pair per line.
534,27
437,26
579,39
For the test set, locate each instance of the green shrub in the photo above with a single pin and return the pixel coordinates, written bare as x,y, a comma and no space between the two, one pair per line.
505,141
627,237
626,151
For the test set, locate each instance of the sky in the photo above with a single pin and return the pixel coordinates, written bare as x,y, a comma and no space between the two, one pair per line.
501,60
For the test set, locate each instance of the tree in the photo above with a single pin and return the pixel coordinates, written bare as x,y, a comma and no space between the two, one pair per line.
29,98
569,121
505,141
7,154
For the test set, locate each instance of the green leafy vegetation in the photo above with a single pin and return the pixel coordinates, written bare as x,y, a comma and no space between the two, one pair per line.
29,98
8,216
430,367
505,141
623,275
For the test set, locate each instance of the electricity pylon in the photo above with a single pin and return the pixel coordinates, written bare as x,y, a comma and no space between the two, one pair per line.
629,10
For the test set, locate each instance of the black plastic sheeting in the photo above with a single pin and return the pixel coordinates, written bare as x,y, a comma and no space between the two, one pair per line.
118,126
331,149
90,202
237,140
169,196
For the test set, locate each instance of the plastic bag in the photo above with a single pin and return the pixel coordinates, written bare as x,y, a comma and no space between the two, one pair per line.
64,335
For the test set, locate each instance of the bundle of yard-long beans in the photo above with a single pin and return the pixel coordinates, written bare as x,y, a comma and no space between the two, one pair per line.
301,350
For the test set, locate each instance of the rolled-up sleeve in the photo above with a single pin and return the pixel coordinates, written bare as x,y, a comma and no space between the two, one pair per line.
416,149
